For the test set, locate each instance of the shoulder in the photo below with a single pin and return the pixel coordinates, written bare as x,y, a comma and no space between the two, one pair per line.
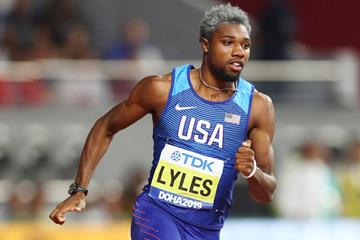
156,82
262,109
261,100
152,90
156,85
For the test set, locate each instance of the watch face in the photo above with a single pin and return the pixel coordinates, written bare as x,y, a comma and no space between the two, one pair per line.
72,188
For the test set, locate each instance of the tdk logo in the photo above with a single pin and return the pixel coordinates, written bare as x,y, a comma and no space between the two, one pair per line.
176,156
193,161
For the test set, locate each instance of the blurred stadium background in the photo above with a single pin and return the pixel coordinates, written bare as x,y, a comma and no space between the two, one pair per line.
63,63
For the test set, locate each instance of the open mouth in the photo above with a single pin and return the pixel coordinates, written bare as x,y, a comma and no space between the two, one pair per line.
236,66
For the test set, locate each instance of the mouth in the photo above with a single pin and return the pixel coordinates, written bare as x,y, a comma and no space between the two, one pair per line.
236,65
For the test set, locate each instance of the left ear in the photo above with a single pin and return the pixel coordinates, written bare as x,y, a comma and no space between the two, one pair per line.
204,44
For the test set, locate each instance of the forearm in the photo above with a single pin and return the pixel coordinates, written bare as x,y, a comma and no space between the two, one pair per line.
262,186
95,147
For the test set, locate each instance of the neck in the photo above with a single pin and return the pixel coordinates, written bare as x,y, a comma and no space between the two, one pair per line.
208,85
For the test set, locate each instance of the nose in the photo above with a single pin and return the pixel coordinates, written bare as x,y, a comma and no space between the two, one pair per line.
238,51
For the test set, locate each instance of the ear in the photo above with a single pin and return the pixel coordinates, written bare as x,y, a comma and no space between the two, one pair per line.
204,44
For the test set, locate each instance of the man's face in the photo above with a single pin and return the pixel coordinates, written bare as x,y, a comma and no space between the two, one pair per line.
228,50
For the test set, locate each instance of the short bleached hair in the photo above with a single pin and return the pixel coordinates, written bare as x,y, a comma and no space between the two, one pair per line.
223,13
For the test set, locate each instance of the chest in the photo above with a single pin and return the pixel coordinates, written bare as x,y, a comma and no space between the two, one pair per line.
219,126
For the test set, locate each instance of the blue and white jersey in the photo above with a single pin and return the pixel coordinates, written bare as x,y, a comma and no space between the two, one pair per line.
195,142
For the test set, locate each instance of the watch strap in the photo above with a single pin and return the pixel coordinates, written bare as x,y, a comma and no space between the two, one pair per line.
74,188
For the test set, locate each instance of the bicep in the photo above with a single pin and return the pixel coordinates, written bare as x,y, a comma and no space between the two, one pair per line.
136,106
261,135
123,115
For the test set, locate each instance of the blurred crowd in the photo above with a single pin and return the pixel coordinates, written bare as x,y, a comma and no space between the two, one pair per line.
37,30
32,30
321,179
56,29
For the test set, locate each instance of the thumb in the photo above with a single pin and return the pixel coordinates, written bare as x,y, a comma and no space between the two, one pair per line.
247,143
77,209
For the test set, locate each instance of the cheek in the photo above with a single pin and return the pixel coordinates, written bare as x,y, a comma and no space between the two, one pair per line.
247,56
217,60
220,54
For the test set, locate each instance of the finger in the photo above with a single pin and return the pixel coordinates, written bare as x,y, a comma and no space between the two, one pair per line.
61,219
244,160
245,165
77,209
58,218
247,143
58,215
243,150
53,214
245,168
245,154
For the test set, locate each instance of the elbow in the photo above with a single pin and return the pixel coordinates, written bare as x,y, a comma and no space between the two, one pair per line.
266,199
263,199
262,191
263,196
102,125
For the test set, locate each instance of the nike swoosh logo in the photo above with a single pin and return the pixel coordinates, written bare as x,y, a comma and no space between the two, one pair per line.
179,108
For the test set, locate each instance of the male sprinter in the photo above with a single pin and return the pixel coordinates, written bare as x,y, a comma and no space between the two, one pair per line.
209,126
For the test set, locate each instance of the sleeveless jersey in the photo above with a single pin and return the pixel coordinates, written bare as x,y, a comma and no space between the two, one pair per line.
195,142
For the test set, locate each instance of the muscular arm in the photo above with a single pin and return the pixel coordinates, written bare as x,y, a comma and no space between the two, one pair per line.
263,183
258,147
148,96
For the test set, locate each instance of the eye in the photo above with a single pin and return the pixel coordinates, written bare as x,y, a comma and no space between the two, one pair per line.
246,45
227,42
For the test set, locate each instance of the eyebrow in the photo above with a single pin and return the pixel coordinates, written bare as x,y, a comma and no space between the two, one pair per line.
228,36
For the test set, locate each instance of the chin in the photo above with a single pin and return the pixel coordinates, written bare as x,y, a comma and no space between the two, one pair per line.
231,77
226,75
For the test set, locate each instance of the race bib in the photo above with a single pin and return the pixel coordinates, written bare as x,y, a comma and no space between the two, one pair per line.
185,178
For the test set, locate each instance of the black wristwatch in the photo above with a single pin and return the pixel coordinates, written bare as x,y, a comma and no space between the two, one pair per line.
74,188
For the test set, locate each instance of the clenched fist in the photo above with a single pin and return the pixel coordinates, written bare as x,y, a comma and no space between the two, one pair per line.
74,203
245,162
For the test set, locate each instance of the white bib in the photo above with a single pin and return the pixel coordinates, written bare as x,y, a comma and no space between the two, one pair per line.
185,178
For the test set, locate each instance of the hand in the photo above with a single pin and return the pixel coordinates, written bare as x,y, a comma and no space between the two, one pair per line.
244,162
74,203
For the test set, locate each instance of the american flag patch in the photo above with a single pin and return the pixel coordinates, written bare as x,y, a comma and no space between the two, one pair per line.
232,118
